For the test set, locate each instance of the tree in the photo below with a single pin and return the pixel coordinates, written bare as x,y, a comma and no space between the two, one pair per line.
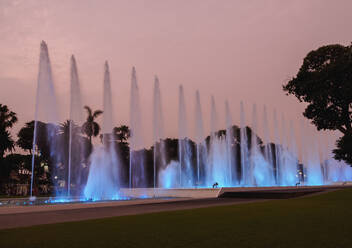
90,127
64,132
122,133
14,163
344,148
25,137
7,120
6,142
79,151
324,81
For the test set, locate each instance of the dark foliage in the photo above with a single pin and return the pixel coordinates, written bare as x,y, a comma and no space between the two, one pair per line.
91,128
344,148
324,81
7,120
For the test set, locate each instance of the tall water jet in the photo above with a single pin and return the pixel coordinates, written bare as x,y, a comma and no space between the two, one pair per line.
288,160
327,157
266,134
230,144
267,167
107,102
243,147
292,141
137,179
218,170
199,132
313,166
331,168
283,131
158,130
184,153
103,178
45,108
278,147
107,129
213,118
76,120
212,149
75,94
254,147
291,176
304,153
283,152
259,168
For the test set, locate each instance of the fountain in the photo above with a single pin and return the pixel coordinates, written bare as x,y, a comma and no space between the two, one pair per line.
75,150
259,166
312,162
278,147
231,157
230,143
158,132
199,134
244,148
103,178
268,152
184,150
137,157
45,109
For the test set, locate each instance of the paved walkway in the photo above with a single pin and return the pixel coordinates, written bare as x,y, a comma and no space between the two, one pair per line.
22,216
40,216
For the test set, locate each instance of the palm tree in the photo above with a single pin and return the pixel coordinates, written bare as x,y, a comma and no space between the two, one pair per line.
64,130
7,120
90,127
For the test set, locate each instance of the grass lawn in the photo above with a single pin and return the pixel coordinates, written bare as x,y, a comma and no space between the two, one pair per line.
319,221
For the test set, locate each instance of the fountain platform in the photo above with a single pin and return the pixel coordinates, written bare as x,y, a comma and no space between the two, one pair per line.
238,192
134,196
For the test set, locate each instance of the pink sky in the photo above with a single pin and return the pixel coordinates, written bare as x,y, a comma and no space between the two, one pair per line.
235,50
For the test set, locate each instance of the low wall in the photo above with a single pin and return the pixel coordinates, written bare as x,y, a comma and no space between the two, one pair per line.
159,192
212,193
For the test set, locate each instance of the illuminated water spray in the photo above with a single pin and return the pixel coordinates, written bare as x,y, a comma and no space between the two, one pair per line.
103,178
184,151
45,108
75,150
137,156
158,132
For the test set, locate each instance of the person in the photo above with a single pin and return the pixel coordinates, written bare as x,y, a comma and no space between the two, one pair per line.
215,185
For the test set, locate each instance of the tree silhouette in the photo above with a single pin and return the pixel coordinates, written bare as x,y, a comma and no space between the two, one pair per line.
7,120
122,133
324,81
64,130
25,138
90,127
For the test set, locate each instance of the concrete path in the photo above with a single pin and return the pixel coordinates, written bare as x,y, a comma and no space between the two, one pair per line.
97,211
22,216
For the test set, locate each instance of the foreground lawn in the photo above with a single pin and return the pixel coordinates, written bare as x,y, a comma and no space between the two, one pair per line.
318,221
